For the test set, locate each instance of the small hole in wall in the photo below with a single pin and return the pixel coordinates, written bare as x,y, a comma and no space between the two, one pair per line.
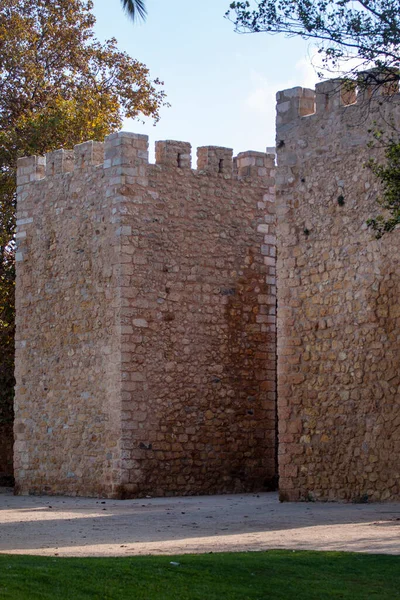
340,200
306,231
179,160
221,166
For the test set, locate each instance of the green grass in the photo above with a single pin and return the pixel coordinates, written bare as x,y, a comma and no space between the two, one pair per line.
242,576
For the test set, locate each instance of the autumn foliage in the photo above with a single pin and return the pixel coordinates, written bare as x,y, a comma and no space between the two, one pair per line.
59,86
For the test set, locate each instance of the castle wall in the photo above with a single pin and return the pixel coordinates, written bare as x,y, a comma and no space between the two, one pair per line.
145,321
338,302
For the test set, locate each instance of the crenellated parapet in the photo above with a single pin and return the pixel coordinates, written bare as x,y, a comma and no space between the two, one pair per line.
130,150
330,96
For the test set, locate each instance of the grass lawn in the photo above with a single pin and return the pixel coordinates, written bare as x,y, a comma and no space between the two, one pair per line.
278,574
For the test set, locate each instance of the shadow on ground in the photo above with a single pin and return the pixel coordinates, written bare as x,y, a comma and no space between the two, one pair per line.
95,527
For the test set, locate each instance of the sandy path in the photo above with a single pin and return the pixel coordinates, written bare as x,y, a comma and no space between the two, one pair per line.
92,527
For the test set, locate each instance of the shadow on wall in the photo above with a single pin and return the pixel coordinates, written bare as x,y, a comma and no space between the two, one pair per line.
382,298
251,372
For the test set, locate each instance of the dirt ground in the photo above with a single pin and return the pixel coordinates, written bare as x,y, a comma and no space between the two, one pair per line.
93,527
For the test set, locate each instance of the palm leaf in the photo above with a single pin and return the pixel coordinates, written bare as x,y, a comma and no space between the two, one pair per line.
135,8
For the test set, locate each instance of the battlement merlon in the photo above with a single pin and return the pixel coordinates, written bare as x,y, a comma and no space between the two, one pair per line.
215,159
172,153
294,103
29,169
255,164
126,160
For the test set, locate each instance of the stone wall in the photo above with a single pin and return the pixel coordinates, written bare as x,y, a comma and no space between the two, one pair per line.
145,321
338,301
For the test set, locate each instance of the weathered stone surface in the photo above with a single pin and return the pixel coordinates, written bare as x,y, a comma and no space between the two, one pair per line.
338,304
145,322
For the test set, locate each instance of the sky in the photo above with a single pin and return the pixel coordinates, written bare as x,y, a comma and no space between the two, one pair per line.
221,85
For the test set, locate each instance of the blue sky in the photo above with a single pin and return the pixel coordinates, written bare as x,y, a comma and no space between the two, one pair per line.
221,85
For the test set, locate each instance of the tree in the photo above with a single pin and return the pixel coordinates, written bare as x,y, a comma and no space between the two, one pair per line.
58,87
366,30
135,8
389,176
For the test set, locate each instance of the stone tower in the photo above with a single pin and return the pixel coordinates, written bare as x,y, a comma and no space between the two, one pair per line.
145,344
